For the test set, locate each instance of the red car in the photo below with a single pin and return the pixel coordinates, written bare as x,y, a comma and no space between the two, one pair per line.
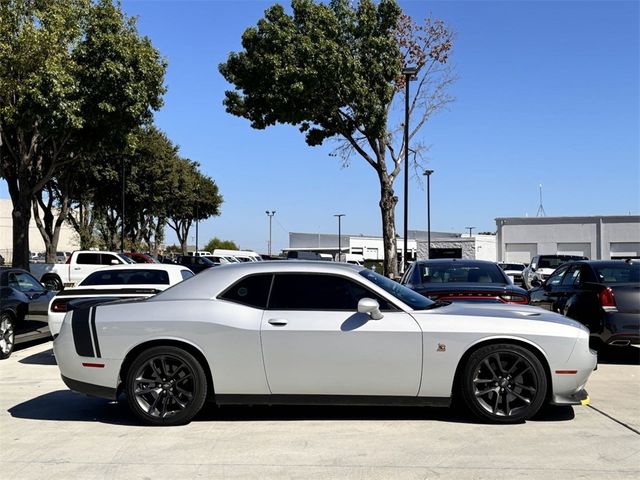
140,257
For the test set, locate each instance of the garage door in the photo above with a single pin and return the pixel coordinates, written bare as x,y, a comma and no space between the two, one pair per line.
583,249
624,250
520,252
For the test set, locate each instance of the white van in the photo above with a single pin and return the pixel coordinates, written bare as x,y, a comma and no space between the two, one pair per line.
242,255
351,258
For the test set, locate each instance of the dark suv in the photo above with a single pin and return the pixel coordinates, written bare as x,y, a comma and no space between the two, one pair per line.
195,264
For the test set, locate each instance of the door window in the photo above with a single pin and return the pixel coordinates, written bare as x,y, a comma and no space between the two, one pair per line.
319,292
25,283
107,259
88,259
556,277
572,278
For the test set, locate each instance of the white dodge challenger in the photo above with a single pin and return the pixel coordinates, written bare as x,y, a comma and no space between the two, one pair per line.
320,333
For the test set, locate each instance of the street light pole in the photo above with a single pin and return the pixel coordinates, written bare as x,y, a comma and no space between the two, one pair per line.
270,214
410,73
339,215
470,230
428,175
122,230
197,223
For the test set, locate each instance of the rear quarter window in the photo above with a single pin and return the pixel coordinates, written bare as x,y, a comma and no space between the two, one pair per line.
252,291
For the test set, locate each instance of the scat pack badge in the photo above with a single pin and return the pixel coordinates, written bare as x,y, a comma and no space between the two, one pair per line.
441,347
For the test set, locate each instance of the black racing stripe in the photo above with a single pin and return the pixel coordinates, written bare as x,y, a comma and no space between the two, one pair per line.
94,332
81,333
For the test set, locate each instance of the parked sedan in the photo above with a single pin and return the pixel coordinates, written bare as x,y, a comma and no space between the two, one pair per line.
319,333
463,280
114,283
23,309
604,295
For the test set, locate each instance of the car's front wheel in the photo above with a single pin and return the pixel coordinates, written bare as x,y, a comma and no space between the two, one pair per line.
503,383
165,386
7,335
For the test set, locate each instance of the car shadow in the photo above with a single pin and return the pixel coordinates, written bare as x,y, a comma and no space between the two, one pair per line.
618,355
41,358
65,405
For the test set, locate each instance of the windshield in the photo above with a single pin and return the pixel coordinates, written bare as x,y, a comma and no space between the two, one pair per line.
125,259
402,293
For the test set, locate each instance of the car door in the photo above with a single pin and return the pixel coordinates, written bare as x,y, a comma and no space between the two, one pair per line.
546,296
37,297
314,341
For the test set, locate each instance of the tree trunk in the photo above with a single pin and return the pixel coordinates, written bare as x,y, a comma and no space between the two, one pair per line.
21,216
388,202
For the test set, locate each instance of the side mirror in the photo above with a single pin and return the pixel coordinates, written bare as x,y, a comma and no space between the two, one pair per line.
370,307
536,282
115,262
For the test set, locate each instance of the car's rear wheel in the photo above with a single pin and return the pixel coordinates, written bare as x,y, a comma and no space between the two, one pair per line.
503,383
52,282
7,335
166,386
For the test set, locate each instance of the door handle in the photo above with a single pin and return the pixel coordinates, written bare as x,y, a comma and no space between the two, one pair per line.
76,268
278,322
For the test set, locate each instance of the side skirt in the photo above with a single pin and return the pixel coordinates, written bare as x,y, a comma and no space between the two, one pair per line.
356,400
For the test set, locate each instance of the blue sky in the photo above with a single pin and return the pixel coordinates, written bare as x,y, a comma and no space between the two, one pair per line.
548,92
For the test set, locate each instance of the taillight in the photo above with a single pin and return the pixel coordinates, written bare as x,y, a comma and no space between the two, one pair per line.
512,298
59,306
608,300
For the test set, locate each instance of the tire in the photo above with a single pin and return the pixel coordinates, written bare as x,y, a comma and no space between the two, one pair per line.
165,386
7,335
52,282
503,383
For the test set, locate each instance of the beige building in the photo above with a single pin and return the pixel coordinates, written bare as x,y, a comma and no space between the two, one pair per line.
69,240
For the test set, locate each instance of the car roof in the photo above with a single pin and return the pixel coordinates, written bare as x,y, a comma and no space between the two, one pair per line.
144,266
462,261
212,281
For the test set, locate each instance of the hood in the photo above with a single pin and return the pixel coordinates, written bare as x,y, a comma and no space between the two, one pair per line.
504,311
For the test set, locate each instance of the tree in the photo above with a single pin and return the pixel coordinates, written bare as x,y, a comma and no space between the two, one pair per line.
75,78
215,243
195,197
334,71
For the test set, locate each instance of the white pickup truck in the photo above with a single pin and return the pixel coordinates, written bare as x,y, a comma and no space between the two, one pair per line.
81,263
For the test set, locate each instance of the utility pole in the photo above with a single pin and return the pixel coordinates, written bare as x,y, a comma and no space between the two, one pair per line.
339,215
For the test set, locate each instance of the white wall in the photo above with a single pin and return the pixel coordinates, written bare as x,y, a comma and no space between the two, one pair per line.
69,240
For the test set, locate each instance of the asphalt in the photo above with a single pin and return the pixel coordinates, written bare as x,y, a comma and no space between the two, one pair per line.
46,431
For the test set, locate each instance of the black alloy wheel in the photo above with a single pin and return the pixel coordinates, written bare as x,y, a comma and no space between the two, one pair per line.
166,386
504,383
52,283
7,335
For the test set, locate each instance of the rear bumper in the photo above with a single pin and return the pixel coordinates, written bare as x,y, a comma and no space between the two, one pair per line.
90,389
621,329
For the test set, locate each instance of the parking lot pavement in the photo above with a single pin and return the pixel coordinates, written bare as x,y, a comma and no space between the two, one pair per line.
46,431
